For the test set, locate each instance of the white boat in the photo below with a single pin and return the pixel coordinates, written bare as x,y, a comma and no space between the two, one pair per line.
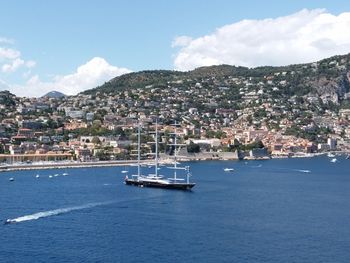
50,176
9,221
330,155
334,160
11,179
124,172
37,176
65,174
228,170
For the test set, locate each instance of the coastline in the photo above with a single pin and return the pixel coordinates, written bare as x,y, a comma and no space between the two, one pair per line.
64,165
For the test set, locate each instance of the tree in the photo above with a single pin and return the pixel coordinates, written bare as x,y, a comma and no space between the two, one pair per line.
193,148
102,156
96,140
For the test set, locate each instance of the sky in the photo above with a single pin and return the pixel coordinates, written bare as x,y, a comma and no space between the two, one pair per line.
74,45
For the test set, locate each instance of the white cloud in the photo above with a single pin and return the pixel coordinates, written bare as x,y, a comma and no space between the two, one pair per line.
181,41
13,66
305,36
4,40
90,75
30,64
9,53
10,58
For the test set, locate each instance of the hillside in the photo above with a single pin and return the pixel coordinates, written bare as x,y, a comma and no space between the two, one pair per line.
54,94
328,77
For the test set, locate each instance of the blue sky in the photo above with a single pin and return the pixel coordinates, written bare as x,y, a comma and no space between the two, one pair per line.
54,38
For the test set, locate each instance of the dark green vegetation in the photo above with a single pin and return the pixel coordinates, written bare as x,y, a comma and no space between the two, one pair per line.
328,75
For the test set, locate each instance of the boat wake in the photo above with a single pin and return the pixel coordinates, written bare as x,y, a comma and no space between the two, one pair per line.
302,171
256,166
54,212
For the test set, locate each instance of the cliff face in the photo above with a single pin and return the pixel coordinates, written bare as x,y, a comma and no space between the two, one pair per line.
334,89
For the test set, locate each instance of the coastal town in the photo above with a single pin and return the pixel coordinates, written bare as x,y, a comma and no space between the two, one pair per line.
221,116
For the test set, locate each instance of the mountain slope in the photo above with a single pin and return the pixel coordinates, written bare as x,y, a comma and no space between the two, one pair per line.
54,94
328,77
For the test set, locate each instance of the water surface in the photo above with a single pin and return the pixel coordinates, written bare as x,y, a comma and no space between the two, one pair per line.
288,210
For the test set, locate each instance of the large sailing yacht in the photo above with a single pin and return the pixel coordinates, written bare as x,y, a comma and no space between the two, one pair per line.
157,180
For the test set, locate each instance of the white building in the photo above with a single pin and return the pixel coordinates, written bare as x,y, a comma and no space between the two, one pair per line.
332,143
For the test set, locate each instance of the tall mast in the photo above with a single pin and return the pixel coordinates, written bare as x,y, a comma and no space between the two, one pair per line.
175,154
138,150
156,153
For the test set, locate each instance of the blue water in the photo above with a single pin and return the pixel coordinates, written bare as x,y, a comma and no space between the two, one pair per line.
288,210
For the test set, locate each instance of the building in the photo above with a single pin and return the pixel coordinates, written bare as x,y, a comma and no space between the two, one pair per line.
332,143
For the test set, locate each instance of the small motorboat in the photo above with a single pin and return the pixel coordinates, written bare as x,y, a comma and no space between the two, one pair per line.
334,160
50,176
9,221
124,172
37,176
228,170
11,179
65,174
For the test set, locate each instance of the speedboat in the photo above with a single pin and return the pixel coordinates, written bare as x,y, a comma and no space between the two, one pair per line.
11,179
334,160
65,174
228,169
37,176
9,221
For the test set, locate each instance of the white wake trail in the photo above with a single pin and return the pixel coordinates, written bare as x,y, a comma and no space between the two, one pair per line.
54,212
302,171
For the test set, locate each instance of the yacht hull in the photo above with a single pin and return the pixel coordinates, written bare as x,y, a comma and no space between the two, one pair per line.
175,186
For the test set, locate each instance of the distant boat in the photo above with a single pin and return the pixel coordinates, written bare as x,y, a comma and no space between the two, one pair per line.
304,171
330,155
9,221
65,174
124,172
50,176
228,170
11,179
334,160
56,175
37,176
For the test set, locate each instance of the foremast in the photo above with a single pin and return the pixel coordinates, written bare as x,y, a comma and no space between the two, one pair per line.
175,167
138,175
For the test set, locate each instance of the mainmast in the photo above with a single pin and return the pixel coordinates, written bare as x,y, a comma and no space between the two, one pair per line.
138,150
175,150
175,166
156,151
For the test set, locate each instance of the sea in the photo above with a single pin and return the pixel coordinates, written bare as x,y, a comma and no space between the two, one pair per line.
278,210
